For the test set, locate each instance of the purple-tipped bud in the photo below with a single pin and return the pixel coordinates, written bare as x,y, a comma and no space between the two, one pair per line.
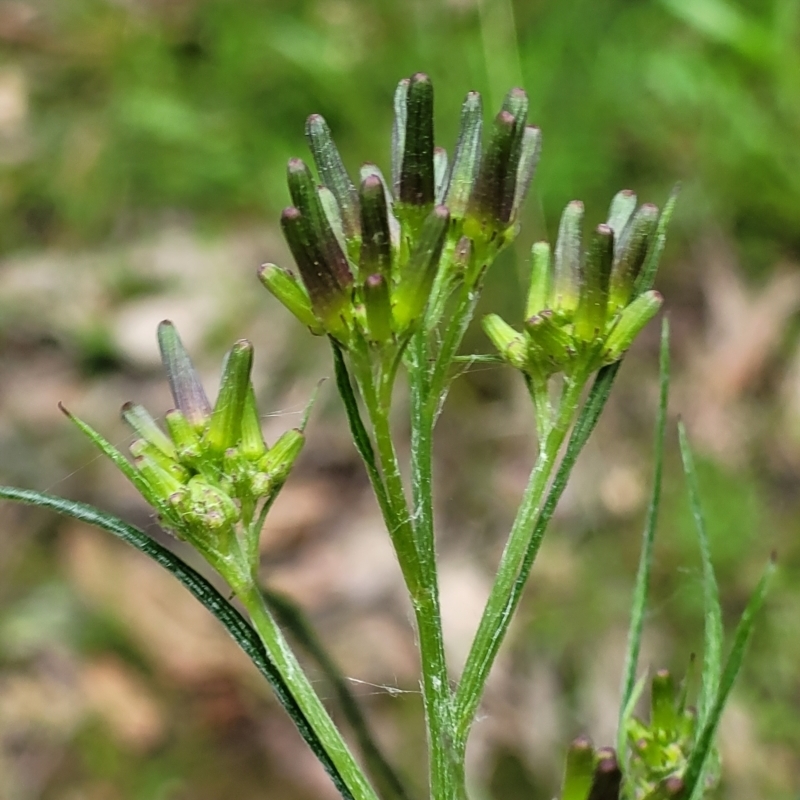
394,226
630,254
414,286
663,710
509,343
328,295
607,779
541,280
332,172
378,307
567,262
620,212
187,392
672,787
467,157
225,429
578,770
289,291
142,423
530,149
590,318
417,179
376,243
551,346
399,132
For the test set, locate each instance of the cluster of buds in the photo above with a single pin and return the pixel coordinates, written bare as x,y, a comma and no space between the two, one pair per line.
371,256
590,774
211,469
659,751
582,308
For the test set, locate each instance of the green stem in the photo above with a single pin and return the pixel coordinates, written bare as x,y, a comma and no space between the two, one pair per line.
495,620
301,689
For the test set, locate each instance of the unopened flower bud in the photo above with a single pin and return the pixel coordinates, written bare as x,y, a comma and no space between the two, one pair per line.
225,428
541,280
440,164
630,324
578,770
663,711
550,344
399,132
630,253
672,787
291,293
510,343
184,383
333,216
528,160
417,180
208,506
185,436
467,157
142,423
161,481
142,447
368,170
619,213
378,307
590,316
278,462
252,445
376,244
410,298
567,261
332,172
607,779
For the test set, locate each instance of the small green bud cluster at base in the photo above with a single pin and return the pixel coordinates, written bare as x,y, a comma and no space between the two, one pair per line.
581,309
371,257
212,468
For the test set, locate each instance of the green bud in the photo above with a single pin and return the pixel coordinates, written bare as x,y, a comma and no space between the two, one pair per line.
278,462
630,253
567,262
663,713
208,506
376,243
590,317
187,442
578,770
399,132
333,217
530,149
607,779
368,170
162,482
417,179
414,286
252,445
332,172
467,157
541,279
184,383
291,293
621,210
378,307
225,429
142,423
509,343
550,344
439,173
630,324
143,448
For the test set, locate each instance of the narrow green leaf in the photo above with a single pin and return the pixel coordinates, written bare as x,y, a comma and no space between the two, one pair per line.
291,617
712,644
639,601
695,766
236,625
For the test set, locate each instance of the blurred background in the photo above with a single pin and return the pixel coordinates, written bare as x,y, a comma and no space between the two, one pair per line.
142,154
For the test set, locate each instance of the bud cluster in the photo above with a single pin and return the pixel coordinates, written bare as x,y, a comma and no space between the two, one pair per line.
590,774
370,255
213,467
581,307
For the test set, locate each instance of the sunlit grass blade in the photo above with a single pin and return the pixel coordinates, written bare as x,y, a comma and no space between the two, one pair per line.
291,617
712,640
236,625
639,602
694,769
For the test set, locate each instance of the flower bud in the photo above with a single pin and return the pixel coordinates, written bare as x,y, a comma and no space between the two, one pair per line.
551,346
378,307
376,244
333,217
368,170
567,262
672,787
142,423
208,506
619,213
142,447
578,770
225,429
252,445
417,179
630,324
184,383
467,157
541,280
590,317
415,283
278,462
399,132
162,482
530,149
291,293
332,172
187,442
509,343
607,779
663,713
630,253
440,164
